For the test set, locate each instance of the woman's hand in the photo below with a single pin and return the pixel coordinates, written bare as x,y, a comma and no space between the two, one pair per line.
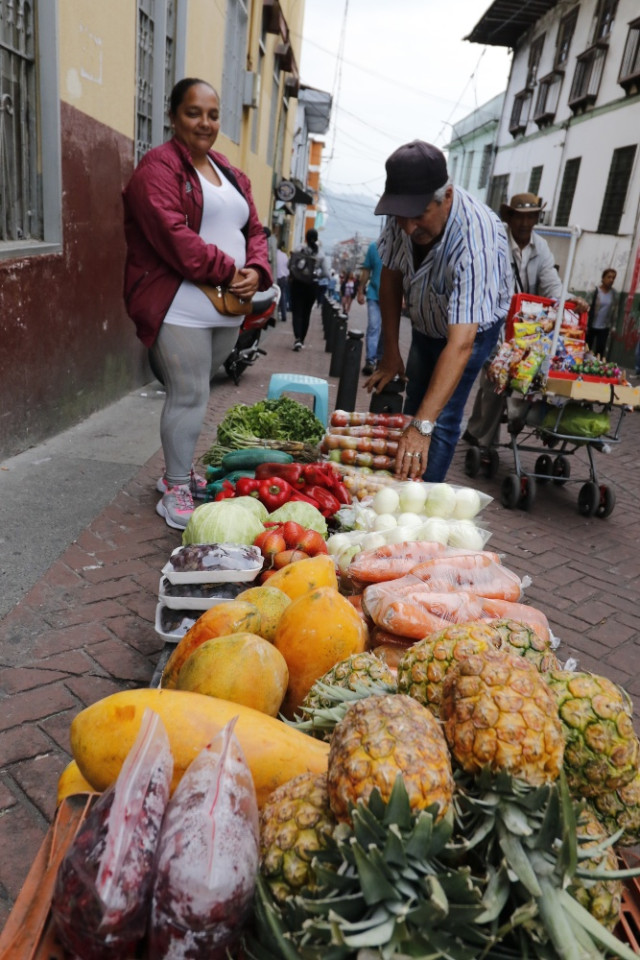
245,283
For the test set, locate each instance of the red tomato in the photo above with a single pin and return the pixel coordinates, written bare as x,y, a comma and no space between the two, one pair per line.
378,445
332,441
348,456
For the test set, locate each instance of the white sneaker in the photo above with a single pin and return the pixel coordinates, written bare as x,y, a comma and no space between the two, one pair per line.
197,485
176,506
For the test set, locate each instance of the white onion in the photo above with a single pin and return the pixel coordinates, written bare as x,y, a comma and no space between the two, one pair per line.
385,521
465,534
413,495
467,503
371,541
345,557
410,520
386,500
364,518
337,542
436,530
441,501
401,534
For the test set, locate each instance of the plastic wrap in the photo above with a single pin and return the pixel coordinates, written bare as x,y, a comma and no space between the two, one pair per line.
534,618
398,559
477,573
422,611
208,857
102,894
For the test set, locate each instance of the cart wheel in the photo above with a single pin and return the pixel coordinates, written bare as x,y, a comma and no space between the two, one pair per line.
472,462
607,502
491,463
588,499
561,470
510,491
527,492
544,467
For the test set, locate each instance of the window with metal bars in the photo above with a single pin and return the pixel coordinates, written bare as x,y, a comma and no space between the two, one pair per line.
20,200
535,52
155,72
498,192
565,36
534,179
615,192
233,69
547,99
629,76
587,77
485,166
567,191
605,17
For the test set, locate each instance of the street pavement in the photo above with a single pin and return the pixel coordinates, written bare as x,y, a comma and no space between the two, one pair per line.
81,549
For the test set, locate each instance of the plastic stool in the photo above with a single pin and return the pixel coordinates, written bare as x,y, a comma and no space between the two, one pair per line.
299,383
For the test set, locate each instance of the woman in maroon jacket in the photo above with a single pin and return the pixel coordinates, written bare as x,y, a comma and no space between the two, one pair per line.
189,219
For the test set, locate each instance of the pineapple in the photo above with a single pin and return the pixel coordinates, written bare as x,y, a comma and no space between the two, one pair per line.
601,752
380,738
361,673
517,637
602,898
620,809
294,824
499,712
422,670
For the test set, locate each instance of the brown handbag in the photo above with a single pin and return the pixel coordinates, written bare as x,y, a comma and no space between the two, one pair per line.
225,302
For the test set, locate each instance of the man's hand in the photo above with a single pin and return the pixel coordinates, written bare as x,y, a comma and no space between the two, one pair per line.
411,457
384,373
360,297
581,305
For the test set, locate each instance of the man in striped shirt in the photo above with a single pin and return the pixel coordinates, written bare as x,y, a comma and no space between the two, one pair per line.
446,254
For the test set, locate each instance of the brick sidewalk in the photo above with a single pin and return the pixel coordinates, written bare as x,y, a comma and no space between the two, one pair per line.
85,630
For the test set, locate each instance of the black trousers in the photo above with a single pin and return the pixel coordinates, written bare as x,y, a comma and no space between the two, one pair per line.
303,297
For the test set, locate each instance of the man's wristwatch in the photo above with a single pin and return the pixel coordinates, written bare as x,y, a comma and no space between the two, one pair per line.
425,427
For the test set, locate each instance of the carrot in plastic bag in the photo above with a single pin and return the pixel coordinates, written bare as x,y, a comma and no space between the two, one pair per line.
534,618
423,611
477,574
102,894
208,856
397,559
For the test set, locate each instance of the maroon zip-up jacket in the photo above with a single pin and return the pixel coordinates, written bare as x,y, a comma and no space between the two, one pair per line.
162,217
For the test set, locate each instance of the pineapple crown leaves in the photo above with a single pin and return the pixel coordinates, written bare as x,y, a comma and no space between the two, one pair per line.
323,719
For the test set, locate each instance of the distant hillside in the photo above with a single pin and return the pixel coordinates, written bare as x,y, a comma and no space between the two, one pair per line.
348,214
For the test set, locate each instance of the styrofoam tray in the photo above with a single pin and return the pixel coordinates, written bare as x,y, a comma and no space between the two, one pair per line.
175,636
215,576
196,603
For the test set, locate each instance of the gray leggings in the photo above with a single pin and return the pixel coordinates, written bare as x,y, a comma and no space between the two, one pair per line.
186,358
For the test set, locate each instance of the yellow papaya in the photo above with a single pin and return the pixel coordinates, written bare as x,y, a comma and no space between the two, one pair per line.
302,576
103,733
72,782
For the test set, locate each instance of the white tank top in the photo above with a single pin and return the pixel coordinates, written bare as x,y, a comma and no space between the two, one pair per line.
224,213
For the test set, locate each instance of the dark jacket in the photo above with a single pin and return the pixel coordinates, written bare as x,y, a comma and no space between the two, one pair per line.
163,213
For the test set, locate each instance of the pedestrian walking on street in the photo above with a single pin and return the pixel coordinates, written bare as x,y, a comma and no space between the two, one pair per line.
369,289
447,254
190,221
602,313
306,266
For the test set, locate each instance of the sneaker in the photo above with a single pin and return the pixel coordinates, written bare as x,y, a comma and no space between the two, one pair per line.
197,485
298,345
368,368
176,506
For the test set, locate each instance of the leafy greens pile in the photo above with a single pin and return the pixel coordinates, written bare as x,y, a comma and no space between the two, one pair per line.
281,419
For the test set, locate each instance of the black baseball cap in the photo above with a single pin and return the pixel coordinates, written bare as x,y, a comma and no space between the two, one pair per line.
414,172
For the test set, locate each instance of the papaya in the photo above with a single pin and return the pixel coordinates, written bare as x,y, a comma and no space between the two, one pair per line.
304,575
315,632
241,667
271,603
102,734
71,782
231,616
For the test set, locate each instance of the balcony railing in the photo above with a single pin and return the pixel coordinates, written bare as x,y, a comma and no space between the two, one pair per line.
587,77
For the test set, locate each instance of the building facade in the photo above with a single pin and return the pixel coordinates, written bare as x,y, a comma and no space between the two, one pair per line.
84,91
570,132
472,148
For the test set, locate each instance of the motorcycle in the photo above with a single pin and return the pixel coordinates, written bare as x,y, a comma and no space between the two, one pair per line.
247,347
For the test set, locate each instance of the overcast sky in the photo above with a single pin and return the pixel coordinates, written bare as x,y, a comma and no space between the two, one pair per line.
398,70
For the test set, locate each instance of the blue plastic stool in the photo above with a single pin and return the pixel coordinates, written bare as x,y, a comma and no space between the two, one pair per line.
299,383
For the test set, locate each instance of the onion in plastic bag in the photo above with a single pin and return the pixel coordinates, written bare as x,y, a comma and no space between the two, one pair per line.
102,894
207,858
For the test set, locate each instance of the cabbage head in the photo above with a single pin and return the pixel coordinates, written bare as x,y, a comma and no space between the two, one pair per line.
303,513
222,522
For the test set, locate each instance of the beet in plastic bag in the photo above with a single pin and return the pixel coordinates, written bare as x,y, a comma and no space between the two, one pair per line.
207,857
102,893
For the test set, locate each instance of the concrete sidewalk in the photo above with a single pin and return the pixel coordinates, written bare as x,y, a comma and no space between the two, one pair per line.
81,549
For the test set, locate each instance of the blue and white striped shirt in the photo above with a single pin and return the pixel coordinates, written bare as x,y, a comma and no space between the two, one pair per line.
465,277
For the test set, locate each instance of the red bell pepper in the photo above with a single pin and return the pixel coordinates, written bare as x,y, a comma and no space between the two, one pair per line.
327,503
247,487
303,498
291,472
274,493
228,491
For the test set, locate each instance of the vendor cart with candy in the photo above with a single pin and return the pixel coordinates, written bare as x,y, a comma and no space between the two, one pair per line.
560,401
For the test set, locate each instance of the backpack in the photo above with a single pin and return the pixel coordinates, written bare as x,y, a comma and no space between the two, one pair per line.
304,266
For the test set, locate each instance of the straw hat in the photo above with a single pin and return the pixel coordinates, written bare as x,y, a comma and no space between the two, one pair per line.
522,203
